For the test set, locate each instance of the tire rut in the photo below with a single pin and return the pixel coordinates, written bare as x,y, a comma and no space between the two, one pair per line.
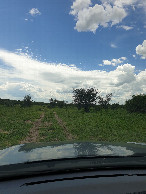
34,131
61,123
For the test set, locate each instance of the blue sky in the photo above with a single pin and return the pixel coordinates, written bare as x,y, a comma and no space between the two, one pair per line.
103,44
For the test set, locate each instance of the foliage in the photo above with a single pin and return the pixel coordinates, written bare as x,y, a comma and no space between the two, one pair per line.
27,102
115,106
50,129
61,104
104,102
10,103
15,123
85,98
52,103
137,103
56,103
105,125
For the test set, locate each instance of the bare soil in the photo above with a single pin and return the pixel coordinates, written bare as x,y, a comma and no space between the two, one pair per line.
62,124
4,132
34,131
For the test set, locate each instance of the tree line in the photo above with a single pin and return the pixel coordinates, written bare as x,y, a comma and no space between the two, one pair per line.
85,99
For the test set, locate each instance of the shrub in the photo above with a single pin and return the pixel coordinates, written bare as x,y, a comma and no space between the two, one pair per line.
136,104
115,106
104,102
27,102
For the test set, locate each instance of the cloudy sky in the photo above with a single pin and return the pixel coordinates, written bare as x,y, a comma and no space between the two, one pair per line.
49,47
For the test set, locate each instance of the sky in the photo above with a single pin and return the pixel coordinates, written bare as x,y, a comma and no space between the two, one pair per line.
50,47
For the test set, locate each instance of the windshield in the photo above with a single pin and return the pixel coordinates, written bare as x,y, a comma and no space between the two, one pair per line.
72,72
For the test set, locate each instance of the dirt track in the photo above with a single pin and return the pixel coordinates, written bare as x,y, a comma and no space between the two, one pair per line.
69,136
34,131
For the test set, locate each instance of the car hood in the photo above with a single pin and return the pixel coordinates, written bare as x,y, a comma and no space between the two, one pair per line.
32,152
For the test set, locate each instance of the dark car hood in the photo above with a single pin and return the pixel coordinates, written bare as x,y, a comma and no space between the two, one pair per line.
31,152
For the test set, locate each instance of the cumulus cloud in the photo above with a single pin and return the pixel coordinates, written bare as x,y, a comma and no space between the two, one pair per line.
114,62
34,12
107,13
106,62
90,18
21,75
126,74
141,49
79,5
122,3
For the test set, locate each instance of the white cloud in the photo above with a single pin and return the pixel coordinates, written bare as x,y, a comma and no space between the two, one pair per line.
126,27
34,12
113,45
107,62
127,74
79,5
123,58
122,3
107,13
134,56
114,62
141,50
90,18
23,75
142,4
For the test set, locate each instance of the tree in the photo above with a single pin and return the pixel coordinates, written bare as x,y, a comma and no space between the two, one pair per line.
104,102
61,104
53,103
115,106
85,98
136,104
27,102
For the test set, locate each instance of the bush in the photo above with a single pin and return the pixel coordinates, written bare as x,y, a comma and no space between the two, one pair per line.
136,104
104,102
85,98
27,102
115,106
56,103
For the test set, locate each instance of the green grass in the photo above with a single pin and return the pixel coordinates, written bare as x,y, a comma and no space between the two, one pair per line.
105,125
51,130
13,123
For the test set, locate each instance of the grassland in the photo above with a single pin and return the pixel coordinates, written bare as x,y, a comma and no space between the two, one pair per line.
41,124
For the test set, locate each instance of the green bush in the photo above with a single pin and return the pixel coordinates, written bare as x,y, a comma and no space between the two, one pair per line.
27,102
114,106
136,104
